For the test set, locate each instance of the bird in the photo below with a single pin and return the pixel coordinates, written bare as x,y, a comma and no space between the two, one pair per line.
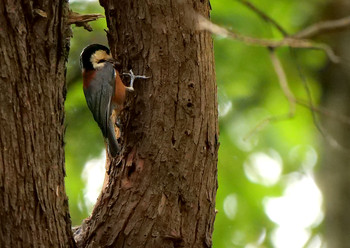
104,91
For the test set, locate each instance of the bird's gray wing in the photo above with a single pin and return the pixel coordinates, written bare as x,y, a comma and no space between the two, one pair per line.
99,94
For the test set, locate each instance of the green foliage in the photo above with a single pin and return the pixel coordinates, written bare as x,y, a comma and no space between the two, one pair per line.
247,82
248,92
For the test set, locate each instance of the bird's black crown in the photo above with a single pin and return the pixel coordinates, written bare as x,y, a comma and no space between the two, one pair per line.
85,55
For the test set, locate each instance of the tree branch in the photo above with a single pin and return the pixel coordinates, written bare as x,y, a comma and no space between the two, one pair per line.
82,20
205,24
264,16
323,27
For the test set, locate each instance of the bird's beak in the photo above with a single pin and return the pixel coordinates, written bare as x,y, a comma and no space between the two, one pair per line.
113,61
116,64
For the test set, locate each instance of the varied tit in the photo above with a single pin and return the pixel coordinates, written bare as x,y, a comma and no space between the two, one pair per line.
104,91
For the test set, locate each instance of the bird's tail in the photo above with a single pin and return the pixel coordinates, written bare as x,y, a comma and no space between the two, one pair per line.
113,146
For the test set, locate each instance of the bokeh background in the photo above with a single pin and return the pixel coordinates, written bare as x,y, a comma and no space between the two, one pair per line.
267,196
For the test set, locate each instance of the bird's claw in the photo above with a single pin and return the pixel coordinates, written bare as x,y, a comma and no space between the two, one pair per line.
132,79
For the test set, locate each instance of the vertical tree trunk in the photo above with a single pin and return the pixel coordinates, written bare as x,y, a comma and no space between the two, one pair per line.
335,164
162,192
33,52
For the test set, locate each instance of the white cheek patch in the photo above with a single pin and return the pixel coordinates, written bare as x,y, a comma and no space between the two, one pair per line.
97,56
98,65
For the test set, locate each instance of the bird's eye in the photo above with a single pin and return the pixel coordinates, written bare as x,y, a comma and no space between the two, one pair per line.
101,61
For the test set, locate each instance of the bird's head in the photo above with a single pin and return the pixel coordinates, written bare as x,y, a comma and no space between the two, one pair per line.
95,56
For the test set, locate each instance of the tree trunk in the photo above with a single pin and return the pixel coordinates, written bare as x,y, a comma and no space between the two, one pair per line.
335,164
162,191
33,51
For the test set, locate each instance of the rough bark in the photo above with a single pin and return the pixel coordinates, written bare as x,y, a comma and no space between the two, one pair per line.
162,191
33,51
335,163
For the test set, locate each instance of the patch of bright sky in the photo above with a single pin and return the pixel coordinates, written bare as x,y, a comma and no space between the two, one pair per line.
289,237
300,205
93,175
264,168
299,208
316,242
296,211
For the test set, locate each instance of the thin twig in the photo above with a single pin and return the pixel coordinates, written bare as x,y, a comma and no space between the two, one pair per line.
324,111
264,16
323,27
301,102
266,121
308,32
282,79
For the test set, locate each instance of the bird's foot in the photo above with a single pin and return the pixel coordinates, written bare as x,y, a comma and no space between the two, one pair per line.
132,79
